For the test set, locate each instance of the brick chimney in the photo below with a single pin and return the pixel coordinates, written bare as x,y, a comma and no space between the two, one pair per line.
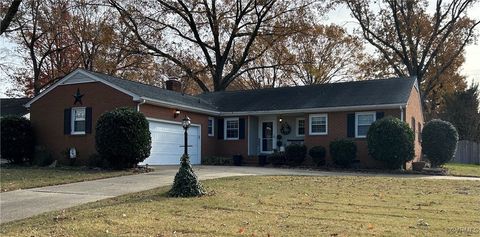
173,85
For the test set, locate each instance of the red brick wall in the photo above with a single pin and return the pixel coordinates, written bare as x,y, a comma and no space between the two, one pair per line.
46,115
414,110
47,119
229,148
337,129
211,145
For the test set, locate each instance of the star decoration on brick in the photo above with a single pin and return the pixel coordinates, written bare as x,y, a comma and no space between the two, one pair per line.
78,97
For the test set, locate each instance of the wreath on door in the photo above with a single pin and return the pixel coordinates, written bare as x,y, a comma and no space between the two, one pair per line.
285,129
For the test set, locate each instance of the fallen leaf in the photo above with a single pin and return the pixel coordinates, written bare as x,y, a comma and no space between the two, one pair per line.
241,230
370,226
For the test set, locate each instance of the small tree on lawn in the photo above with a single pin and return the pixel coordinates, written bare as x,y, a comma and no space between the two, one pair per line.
439,141
391,140
186,182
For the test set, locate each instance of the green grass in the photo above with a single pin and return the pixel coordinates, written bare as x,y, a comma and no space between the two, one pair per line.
463,169
276,206
16,177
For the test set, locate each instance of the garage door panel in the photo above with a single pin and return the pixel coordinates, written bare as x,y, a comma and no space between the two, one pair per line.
167,142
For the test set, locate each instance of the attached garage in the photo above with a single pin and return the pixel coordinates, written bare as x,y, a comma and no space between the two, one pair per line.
167,143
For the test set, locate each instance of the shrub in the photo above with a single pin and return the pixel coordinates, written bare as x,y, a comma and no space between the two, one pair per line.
42,156
295,154
17,141
186,183
96,161
343,152
123,137
390,140
217,160
318,155
276,158
439,141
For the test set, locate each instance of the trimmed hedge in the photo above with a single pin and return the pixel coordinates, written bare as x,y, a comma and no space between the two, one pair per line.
277,158
17,139
439,141
295,154
318,154
391,141
217,160
343,152
123,138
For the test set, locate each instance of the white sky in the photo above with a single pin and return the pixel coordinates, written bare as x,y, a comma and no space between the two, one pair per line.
341,16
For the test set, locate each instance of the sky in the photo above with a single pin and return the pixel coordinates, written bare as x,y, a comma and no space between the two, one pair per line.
341,16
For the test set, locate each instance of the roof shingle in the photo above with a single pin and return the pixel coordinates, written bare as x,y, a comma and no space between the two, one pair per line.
355,93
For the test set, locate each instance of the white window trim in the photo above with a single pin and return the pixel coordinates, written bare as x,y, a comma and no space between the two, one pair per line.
225,129
72,121
374,113
213,126
310,124
297,126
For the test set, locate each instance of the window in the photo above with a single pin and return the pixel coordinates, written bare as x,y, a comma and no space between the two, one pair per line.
210,126
318,124
78,120
413,128
419,132
300,127
363,121
231,129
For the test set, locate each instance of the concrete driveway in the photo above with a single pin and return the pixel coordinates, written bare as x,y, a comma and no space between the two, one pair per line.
21,204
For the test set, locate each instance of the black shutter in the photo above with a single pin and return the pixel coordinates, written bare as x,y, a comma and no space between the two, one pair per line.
67,121
350,125
220,128
380,115
88,120
241,128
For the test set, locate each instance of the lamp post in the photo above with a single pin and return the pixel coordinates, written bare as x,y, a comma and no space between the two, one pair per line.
186,122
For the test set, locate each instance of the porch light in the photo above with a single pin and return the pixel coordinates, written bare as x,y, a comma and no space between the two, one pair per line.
176,113
186,122
280,120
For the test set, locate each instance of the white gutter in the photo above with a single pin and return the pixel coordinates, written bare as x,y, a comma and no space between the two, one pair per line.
140,103
401,113
177,106
270,112
315,110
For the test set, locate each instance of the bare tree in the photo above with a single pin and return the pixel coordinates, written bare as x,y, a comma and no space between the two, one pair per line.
218,35
9,15
39,29
411,40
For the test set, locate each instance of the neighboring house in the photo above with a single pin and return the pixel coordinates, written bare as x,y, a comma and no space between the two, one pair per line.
224,123
14,106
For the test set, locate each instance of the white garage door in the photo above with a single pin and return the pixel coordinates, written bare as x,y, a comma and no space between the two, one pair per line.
167,144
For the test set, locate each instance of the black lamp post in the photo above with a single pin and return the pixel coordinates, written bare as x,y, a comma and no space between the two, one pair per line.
186,124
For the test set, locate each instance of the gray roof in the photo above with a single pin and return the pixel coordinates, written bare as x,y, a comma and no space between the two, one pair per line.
355,93
157,93
13,106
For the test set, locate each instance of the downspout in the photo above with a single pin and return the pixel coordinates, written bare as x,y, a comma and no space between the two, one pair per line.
401,113
138,105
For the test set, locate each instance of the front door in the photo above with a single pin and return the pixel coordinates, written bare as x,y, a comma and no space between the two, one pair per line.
267,136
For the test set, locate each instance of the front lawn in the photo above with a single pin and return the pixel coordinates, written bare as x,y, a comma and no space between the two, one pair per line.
276,206
17,177
463,169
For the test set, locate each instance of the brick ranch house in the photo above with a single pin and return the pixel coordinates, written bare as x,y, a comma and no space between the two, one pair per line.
225,123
